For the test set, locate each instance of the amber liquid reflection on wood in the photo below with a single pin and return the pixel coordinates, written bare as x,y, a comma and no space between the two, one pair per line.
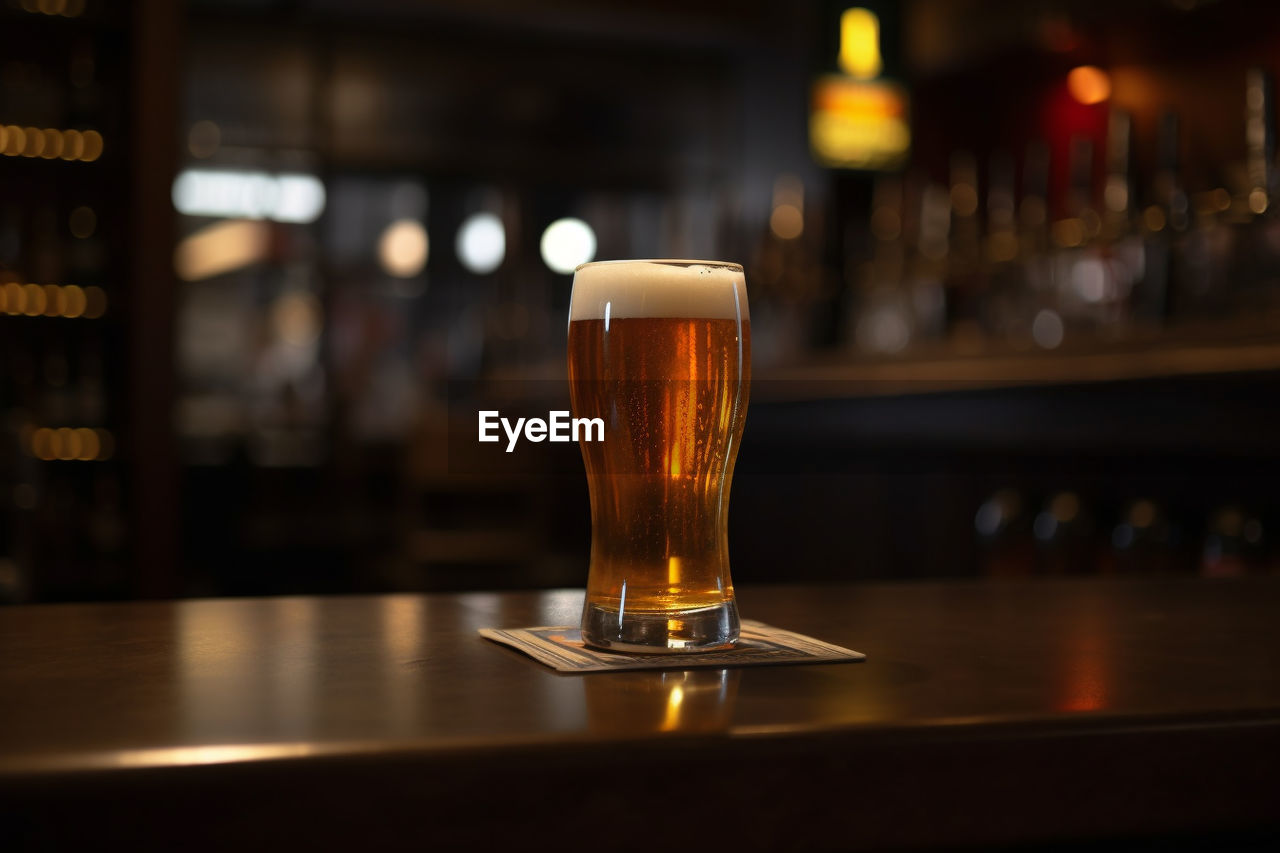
673,395
692,700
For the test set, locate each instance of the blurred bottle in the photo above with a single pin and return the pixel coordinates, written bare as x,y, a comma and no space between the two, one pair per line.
1122,251
925,230
882,319
1003,529
1041,322
1234,544
1201,279
1064,532
1078,269
1144,541
1004,294
1163,223
963,280
1255,277
793,283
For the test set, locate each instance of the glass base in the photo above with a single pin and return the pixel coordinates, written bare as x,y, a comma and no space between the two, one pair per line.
705,629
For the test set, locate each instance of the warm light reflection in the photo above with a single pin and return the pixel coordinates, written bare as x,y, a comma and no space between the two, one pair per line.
1067,233
1002,246
53,301
403,248
95,302
35,300
232,681
1258,201
92,147
217,754
66,444
1065,506
860,43
787,220
296,318
222,248
50,143
631,703
73,301
402,633
673,571
15,139
1084,674
35,142
402,624
1089,84
54,8
856,125
671,722
73,145
52,148
964,199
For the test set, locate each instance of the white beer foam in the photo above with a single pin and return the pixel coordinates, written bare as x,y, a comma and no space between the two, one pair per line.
691,289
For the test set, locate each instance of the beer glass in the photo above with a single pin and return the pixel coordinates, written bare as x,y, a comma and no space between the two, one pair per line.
661,351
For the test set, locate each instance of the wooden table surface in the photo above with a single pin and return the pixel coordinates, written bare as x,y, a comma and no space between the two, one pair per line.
986,714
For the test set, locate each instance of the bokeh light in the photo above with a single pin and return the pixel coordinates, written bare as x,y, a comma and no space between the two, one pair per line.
482,243
403,248
567,243
860,43
1089,84
296,318
235,193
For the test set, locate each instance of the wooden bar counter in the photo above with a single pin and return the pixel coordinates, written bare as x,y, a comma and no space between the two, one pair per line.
987,715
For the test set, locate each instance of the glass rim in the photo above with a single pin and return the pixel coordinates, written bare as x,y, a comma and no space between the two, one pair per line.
732,266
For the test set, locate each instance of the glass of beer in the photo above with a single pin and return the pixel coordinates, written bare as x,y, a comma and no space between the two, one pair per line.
661,351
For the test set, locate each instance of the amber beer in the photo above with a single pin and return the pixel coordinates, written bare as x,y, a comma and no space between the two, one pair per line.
661,350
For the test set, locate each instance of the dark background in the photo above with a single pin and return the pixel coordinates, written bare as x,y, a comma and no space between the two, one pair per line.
292,423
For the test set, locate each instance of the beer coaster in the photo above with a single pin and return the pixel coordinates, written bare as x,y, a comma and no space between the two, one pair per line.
561,649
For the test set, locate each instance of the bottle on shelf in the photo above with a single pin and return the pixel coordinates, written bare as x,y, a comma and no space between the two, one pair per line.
1004,292
1144,541
1003,529
1255,278
1078,271
1201,280
1234,543
927,257
963,285
1041,322
882,322
1163,222
1121,246
1064,531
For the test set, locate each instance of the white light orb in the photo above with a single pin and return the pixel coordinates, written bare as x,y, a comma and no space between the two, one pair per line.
567,243
482,243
